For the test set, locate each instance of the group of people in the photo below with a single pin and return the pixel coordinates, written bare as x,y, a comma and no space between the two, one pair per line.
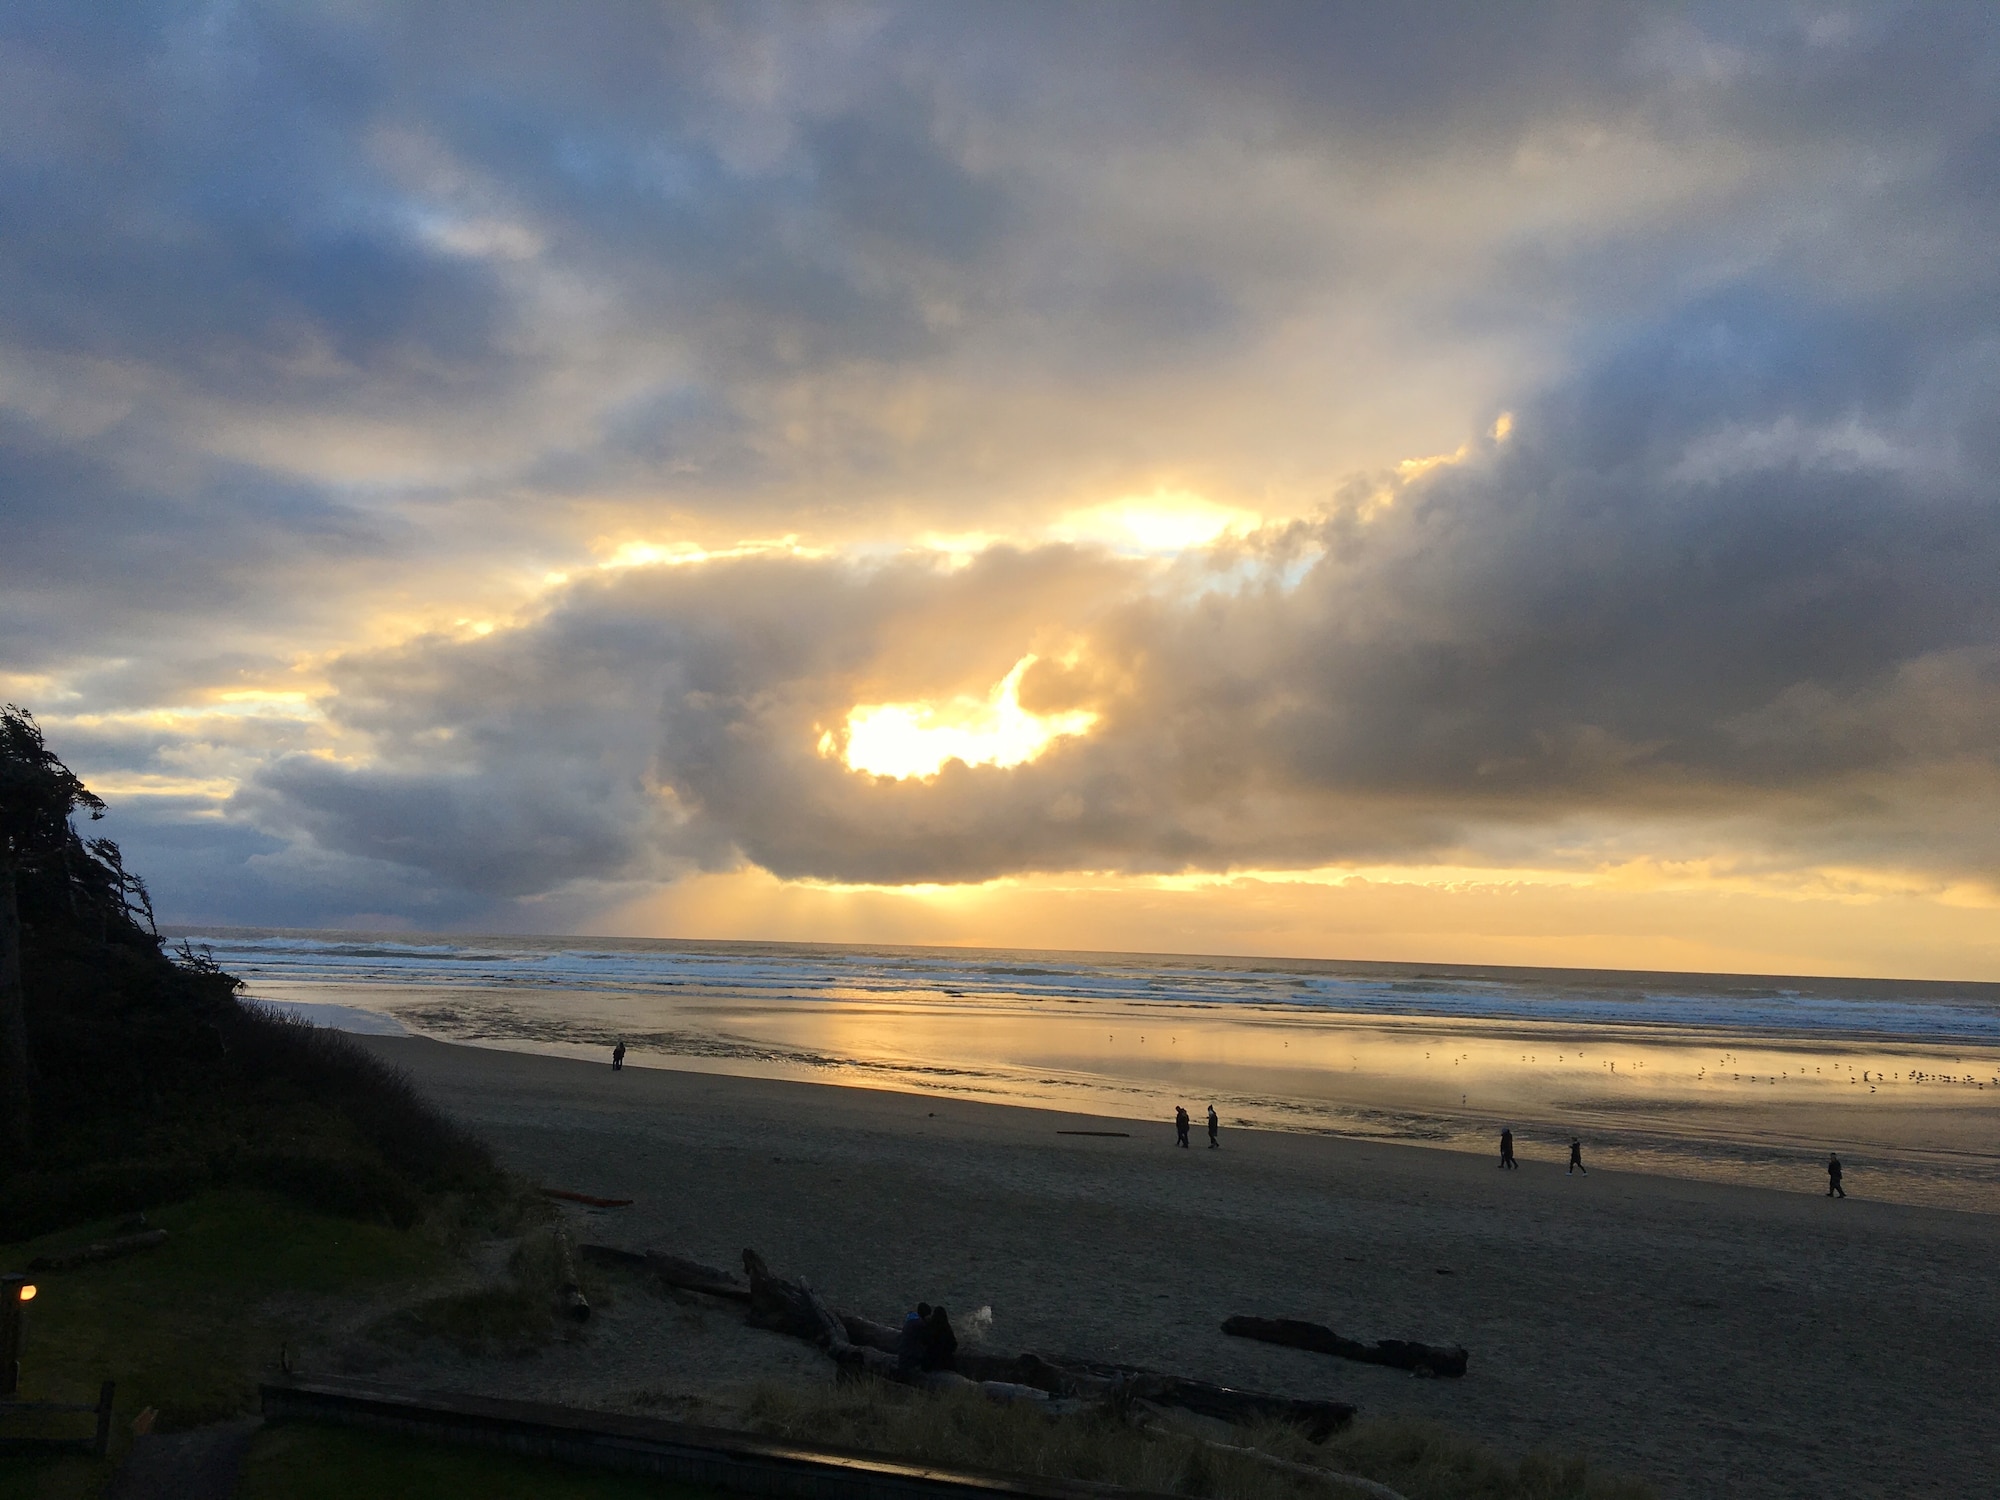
927,1341
1182,1123
1508,1164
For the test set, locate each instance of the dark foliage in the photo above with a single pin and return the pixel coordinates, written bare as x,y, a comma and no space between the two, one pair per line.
150,1080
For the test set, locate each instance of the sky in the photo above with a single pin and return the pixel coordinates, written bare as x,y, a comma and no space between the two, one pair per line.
1512,484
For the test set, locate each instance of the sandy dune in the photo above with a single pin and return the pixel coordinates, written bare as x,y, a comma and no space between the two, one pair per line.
1719,1340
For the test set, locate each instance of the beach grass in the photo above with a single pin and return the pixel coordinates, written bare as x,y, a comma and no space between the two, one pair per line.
1421,1461
503,1319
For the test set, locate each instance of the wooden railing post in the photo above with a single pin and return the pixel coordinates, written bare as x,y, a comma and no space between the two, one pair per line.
11,1288
104,1396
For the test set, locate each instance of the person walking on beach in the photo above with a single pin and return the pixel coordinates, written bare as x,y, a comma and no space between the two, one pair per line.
618,1056
1576,1157
1180,1125
1214,1129
1507,1162
1833,1187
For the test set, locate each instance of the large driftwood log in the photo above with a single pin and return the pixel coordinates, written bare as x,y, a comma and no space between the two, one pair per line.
693,1276
792,1307
1400,1354
865,1334
672,1270
861,1346
982,1369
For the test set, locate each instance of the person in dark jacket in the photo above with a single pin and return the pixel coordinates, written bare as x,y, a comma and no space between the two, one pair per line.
1576,1157
618,1055
1214,1129
940,1342
1180,1125
1833,1187
1507,1161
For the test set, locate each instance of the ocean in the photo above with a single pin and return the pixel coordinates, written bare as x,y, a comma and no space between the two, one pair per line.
1744,1078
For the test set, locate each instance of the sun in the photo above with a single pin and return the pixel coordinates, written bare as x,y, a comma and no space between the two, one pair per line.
904,740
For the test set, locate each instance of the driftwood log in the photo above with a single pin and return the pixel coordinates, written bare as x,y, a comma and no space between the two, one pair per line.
985,1369
125,1244
672,1270
860,1346
792,1307
1400,1354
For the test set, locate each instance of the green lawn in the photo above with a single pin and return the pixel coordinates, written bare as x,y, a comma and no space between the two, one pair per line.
192,1327
189,1328
186,1328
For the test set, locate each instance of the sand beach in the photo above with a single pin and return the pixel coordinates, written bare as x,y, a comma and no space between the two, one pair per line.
1717,1339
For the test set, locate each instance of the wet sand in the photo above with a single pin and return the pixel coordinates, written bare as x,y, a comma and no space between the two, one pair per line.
1715,1339
1922,1118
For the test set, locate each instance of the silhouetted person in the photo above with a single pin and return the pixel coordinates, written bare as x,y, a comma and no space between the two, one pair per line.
1180,1125
1507,1161
618,1055
1833,1187
1214,1129
940,1342
913,1343
1576,1157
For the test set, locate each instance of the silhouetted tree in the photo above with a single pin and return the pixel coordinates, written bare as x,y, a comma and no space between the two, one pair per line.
38,795
131,1076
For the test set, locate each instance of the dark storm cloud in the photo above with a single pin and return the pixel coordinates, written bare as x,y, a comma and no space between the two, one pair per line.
599,737
384,216
102,558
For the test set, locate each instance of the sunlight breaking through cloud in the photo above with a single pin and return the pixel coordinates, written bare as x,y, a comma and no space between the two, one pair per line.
1160,524
917,739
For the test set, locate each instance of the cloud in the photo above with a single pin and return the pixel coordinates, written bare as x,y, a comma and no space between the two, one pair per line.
1595,618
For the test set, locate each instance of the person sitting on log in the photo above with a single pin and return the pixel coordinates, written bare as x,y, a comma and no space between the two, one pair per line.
913,1344
940,1342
